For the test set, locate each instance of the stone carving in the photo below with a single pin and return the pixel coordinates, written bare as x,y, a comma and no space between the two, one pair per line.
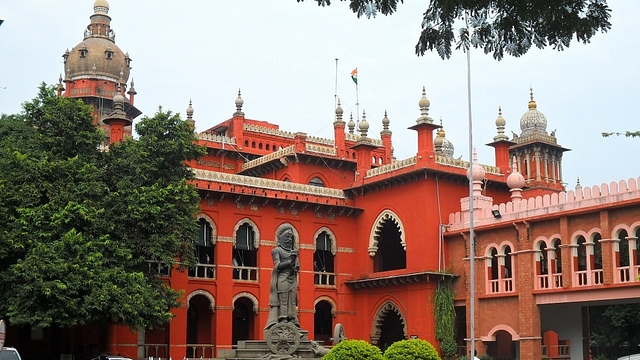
283,299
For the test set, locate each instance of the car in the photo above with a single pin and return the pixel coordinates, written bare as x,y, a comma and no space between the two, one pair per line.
107,357
630,357
9,353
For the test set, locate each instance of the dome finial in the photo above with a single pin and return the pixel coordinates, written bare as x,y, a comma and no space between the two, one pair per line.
476,174
500,124
385,122
363,125
578,185
351,124
239,103
532,103
189,111
515,181
339,113
424,104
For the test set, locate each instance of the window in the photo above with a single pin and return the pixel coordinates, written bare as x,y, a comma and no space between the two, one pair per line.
544,259
204,252
323,260
390,254
245,254
316,181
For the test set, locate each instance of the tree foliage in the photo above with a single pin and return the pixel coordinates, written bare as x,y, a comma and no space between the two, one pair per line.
614,329
445,317
354,350
77,225
497,26
626,133
412,349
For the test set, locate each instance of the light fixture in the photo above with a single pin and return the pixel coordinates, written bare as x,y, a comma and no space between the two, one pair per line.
496,214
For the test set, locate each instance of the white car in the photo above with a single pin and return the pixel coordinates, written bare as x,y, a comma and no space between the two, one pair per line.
9,353
630,357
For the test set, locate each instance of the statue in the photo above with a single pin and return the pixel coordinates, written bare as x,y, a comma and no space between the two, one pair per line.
283,299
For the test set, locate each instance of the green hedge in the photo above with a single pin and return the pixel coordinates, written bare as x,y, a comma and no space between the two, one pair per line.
414,349
354,350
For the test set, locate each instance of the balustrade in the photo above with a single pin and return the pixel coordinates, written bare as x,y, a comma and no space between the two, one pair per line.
203,271
247,273
324,278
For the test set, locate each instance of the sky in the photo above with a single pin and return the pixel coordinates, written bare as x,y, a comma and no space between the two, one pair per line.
282,55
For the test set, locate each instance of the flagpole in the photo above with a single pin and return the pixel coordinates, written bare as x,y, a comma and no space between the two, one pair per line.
354,77
335,93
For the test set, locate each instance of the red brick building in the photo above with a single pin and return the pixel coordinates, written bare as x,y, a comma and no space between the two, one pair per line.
376,234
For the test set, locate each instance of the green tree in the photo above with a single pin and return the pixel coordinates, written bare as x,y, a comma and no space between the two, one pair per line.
498,26
412,349
77,225
354,350
614,329
445,317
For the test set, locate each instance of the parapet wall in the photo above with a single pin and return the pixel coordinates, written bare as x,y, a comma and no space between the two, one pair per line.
602,195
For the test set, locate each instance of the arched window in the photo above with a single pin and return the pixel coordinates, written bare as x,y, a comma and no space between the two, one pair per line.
205,251
246,143
390,254
245,254
597,251
253,144
623,246
544,258
316,181
557,269
582,253
323,321
260,146
495,267
267,147
323,261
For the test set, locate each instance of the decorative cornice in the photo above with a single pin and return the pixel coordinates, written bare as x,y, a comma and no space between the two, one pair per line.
355,137
267,184
462,164
395,280
396,165
320,149
289,150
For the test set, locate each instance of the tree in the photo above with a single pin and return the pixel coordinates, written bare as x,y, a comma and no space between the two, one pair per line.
614,329
498,26
626,133
78,225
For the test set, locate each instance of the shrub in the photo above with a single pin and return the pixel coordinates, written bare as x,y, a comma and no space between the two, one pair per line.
414,349
354,350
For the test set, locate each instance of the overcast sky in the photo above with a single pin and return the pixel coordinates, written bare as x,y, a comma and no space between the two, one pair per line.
281,54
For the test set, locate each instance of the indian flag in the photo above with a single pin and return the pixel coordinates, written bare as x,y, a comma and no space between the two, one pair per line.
354,75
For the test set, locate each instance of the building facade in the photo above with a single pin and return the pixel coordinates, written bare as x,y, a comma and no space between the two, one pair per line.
376,234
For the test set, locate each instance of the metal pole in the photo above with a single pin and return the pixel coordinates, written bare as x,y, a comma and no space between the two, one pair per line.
472,245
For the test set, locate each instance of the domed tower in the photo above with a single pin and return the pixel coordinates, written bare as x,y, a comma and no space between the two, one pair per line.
537,153
96,67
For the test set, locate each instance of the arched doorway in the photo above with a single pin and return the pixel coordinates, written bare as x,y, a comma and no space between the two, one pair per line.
200,329
389,326
323,322
243,320
503,347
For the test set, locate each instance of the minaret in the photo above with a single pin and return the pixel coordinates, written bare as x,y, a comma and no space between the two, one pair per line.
501,145
424,127
538,155
96,68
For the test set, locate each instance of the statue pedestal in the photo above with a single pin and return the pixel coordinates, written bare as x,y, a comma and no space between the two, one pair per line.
286,348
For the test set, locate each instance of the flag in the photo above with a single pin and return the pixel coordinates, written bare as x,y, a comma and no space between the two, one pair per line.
354,75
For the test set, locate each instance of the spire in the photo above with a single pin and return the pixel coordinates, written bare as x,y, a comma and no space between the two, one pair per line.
351,124
100,22
476,174
363,126
424,104
385,124
500,125
339,113
515,181
239,103
532,103
578,186
192,123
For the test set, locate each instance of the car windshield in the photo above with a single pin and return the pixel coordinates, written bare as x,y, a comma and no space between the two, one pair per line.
6,354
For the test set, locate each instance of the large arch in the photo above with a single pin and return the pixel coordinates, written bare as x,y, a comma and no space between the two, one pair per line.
388,308
249,296
212,300
491,335
377,225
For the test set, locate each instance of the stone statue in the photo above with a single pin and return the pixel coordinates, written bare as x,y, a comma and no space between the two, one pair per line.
283,299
